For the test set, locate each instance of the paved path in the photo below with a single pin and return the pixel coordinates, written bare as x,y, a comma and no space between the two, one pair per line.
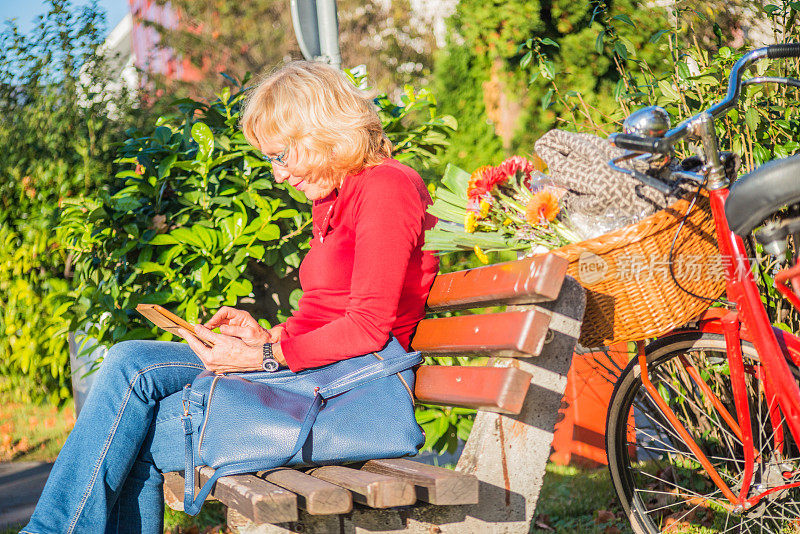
20,486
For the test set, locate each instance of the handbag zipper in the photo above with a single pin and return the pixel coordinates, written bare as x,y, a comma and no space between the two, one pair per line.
208,409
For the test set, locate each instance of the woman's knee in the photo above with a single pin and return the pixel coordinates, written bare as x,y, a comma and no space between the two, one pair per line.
132,357
128,354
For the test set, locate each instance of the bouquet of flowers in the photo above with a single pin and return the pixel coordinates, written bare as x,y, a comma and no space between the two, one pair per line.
509,207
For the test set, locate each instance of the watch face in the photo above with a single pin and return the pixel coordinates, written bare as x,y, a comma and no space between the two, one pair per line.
270,365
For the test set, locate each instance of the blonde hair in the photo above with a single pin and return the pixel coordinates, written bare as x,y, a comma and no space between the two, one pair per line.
316,110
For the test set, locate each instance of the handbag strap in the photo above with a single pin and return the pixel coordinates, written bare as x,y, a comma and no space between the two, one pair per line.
192,504
374,371
368,373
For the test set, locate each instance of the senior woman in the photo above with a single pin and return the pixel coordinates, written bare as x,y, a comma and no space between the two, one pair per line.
364,279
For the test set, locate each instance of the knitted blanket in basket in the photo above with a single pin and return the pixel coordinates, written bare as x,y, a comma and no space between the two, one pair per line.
578,162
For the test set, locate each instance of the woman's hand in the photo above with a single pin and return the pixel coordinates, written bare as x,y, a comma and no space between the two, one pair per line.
229,353
239,323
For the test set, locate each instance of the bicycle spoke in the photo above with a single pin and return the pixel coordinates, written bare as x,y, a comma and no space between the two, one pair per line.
665,481
685,490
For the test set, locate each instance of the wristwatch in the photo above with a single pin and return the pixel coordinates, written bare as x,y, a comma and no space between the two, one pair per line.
269,363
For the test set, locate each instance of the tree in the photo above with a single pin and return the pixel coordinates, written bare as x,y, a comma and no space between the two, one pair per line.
58,142
501,104
257,35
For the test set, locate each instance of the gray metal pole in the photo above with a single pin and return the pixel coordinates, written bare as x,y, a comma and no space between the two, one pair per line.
329,32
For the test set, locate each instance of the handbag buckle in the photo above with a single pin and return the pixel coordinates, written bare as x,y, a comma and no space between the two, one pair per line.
185,407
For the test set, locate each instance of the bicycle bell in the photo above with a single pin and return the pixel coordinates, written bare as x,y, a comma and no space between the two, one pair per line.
652,121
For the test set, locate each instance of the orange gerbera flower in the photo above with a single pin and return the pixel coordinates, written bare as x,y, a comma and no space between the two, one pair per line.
543,207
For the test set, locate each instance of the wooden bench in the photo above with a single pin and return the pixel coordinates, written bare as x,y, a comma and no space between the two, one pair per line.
495,485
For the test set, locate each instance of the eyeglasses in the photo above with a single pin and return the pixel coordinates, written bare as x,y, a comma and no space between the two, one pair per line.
280,159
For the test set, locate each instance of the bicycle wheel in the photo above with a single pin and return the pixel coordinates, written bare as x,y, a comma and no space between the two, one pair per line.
660,482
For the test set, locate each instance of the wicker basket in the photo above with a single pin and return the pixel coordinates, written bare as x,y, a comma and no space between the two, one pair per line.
630,294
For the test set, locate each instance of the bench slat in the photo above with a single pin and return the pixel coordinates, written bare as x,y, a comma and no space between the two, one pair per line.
253,497
493,389
505,334
524,281
371,489
314,495
433,484
173,491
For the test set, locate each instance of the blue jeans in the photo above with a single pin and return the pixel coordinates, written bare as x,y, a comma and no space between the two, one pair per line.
108,476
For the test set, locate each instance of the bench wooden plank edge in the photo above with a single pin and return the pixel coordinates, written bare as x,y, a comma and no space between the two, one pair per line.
523,331
525,281
370,489
314,495
493,389
434,485
254,498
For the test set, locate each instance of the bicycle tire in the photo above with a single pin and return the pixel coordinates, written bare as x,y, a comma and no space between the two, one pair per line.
659,482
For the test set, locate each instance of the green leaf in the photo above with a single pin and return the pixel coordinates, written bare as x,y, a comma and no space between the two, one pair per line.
207,237
162,135
526,59
294,298
683,70
296,195
751,118
624,18
598,44
769,9
269,233
151,267
455,179
165,166
185,236
656,36
548,69
621,50
666,88
232,227
548,41
201,133
546,99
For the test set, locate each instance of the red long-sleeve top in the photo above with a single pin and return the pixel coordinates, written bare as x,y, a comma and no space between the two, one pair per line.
366,276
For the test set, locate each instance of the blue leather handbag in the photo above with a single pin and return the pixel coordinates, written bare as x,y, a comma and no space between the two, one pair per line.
353,410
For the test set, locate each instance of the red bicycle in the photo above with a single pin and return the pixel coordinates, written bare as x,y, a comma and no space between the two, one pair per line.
703,428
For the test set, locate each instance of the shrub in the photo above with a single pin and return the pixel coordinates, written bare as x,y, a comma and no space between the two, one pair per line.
57,143
194,221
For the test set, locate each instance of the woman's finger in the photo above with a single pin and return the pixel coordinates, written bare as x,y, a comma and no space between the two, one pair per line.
248,334
223,316
207,335
197,347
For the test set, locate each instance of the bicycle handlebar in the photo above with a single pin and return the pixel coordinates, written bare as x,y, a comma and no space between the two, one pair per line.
778,51
663,145
638,143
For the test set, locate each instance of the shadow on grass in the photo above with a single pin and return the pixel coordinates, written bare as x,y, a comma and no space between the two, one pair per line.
578,500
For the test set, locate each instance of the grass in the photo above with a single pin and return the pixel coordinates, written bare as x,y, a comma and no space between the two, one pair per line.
578,500
30,433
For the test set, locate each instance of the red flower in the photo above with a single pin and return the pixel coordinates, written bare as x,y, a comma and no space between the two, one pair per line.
478,182
483,180
516,164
